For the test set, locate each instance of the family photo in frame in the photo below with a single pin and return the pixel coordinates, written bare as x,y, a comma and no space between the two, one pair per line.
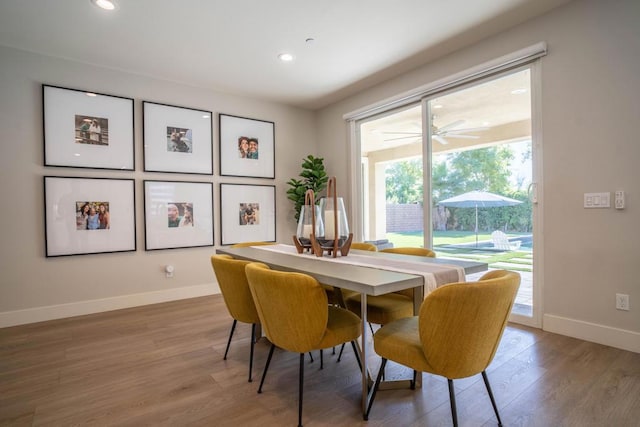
178,214
84,129
89,215
246,147
177,139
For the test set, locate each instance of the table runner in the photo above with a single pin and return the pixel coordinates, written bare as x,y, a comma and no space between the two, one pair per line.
434,274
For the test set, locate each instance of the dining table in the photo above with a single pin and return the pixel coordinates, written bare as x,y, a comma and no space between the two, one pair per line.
369,273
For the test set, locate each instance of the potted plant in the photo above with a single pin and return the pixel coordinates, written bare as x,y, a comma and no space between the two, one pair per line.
314,177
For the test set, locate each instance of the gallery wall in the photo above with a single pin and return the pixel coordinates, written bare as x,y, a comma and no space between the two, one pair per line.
34,287
589,112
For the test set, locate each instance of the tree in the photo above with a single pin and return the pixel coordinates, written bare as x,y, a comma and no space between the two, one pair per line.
403,181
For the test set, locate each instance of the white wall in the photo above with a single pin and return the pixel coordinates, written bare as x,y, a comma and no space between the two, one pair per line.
591,143
33,287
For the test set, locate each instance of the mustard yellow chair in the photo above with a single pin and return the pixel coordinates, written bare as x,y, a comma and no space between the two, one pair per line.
245,244
382,309
361,246
295,316
455,335
232,279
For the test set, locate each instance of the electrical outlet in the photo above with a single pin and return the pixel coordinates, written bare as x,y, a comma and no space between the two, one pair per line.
622,302
168,271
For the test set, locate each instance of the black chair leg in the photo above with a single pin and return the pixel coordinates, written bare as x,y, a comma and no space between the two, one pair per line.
301,382
233,328
493,401
266,367
355,351
413,381
321,360
375,388
311,357
253,341
340,354
452,400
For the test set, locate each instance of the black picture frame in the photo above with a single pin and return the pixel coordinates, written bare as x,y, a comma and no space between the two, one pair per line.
192,202
177,139
235,225
85,129
72,230
234,161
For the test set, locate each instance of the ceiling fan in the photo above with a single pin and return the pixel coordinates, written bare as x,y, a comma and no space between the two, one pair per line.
440,134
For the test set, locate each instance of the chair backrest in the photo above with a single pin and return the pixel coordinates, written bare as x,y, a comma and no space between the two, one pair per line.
364,246
501,241
235,290
292,307
411,251
245,244
461,324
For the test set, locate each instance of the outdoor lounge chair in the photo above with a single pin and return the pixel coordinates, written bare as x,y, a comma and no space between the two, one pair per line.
501,241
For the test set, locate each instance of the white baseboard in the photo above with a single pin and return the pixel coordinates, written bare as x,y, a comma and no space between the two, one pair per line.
51,312
606,335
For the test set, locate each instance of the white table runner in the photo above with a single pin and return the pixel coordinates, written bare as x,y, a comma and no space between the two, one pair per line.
434,274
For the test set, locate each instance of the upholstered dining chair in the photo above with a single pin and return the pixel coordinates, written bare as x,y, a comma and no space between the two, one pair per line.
382,309
232,279
455,335
362,246
296,316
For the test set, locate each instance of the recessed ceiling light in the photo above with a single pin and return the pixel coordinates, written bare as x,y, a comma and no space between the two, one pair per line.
437,106
206,116
104,4
518,91
91,94
285,57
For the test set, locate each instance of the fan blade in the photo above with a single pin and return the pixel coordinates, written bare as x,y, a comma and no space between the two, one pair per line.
402,133
402,137
453,135
450,126
467,130
440,139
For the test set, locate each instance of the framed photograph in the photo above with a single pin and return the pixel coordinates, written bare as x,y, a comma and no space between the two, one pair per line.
177,139
89,215
247,213
87,129
246,147
178,214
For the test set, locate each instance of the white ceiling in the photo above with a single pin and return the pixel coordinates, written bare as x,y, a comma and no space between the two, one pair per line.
231,46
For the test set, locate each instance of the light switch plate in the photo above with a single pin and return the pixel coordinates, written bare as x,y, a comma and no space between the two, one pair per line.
597,200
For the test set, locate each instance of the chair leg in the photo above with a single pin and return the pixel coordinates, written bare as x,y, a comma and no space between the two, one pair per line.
340,354
233,328
253,341
266,367
413,381
493,401
321,360
371,327
375,388
452,400
301,382
355,351
311,357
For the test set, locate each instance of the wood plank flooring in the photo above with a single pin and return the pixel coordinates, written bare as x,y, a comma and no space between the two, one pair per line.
162,365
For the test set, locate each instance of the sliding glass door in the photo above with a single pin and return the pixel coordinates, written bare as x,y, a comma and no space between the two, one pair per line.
455,172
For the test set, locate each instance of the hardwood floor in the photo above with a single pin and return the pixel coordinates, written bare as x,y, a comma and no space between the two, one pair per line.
162,365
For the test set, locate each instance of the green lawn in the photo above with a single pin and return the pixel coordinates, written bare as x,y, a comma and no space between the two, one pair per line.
518,260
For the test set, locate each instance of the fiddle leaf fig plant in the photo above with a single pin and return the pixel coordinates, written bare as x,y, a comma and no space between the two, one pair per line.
314,177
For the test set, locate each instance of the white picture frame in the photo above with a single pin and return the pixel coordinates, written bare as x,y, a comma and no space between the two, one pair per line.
69,232
84,129
236,162
235,225
177,139
188,199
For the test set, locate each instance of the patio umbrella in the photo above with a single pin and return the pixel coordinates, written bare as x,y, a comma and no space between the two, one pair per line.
476,199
